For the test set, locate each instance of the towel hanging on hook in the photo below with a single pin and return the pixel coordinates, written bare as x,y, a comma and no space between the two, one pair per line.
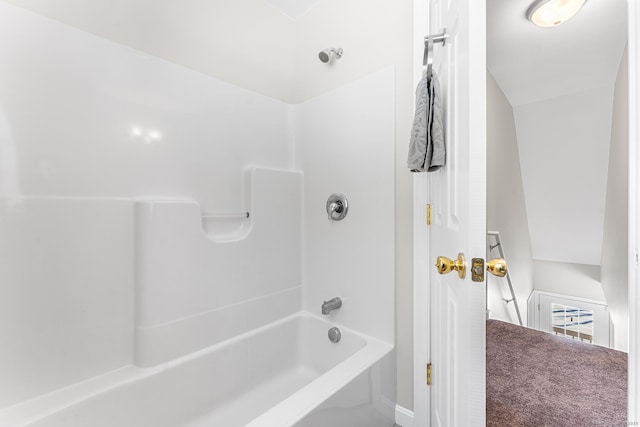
427,151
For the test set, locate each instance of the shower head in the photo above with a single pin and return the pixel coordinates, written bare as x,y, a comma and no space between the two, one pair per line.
327,54
324,56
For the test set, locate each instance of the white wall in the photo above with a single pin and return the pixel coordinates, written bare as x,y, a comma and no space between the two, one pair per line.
564,152
347,147
506,210
578,280
614,244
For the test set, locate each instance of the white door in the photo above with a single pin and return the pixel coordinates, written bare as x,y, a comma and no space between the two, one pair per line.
458,198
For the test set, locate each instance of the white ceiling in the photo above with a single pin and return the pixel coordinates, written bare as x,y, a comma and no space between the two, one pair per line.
532,63
560,82
249,43
293,8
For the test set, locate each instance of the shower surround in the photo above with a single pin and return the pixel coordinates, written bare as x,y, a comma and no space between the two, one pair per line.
123,305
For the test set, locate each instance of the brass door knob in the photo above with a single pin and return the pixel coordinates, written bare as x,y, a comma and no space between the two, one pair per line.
497,267
446,265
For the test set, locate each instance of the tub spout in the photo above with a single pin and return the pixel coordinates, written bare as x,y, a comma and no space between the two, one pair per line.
332,304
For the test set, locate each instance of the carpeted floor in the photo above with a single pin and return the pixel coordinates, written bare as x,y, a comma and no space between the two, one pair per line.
537,379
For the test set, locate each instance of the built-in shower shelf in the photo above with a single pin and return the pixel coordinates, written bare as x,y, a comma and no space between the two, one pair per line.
226,227
222,216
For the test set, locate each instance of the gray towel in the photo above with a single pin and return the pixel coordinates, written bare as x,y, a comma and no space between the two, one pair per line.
426,147
436,128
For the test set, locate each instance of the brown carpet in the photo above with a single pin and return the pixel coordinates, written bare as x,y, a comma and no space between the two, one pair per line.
537,379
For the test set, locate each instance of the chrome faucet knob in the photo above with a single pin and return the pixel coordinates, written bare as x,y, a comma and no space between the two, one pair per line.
337,207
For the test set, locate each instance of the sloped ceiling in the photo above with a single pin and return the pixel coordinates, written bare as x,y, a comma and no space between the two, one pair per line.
564,151
199,34
560,82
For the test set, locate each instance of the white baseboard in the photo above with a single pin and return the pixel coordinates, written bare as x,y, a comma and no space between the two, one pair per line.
404,417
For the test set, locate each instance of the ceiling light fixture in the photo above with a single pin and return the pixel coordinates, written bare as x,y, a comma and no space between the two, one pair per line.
550,13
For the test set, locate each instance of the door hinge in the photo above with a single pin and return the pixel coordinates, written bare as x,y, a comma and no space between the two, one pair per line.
429,373
429,214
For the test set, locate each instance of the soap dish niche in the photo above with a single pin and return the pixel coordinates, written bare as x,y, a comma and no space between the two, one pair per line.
225,227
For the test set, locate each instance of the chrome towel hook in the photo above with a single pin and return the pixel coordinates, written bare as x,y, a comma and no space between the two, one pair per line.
428,54
428,48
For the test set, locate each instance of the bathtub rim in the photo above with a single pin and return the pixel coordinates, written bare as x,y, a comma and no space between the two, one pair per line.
39,408
294,408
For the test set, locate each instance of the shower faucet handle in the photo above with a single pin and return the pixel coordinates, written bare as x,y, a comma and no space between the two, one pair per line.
337,207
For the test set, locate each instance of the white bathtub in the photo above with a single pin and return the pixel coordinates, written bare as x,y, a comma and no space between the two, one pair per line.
283,374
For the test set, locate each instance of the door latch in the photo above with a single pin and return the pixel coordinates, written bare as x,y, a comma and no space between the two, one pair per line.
477,269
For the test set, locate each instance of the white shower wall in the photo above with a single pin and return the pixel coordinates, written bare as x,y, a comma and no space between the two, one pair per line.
87,126
90,131
88,117
346,146
66,292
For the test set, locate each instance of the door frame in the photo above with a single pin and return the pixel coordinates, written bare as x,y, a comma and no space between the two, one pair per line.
633,47
421,235
421,252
